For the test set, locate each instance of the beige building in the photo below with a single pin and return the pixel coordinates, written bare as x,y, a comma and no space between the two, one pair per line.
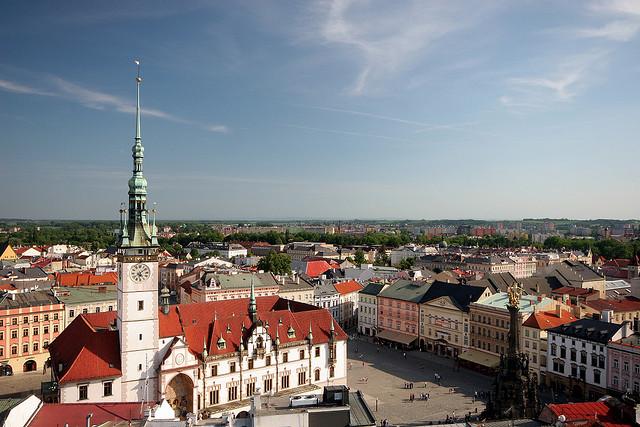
86,299
489,322
210,285
444,317
534,338
295,288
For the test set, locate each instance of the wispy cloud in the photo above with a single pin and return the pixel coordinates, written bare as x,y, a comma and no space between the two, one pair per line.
387,40
346,132
569,78
20,88
624,26
95,99
369,115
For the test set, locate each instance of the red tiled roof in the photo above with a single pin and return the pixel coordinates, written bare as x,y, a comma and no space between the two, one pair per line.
571,291
85,279
348,287
42,262
627,304
316,267
586,411
74,414
618,262
548,319
86,349
7,287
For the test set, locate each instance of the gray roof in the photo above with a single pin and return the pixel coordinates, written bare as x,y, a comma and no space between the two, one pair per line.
86,294
588,329
324,289
372,289
239,281
359,412
12,274
27,299
461,295
406,290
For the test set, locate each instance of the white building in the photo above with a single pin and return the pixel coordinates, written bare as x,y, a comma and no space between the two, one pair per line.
577,355
368,308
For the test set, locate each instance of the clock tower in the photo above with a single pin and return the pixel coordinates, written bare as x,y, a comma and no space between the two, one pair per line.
137,319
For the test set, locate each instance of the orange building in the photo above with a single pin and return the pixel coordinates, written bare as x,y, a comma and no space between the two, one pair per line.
28,323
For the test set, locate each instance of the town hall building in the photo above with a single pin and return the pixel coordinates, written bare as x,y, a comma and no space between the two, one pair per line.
198,355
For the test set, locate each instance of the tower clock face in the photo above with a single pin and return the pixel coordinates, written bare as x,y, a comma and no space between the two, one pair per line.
139,273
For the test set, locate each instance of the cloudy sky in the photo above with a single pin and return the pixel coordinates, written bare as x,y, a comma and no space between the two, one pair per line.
323,109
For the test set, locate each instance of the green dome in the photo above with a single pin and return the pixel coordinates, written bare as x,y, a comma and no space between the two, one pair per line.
138,184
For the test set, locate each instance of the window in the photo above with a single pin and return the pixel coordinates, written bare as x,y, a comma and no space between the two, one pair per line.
616,363
637,369
46,317
553,349
563,352
97,309
139,366
284,381
85,310
83,392
110,308
25,319
25,348
72,313
25,332
14,321
232,366
268,384
45,330
214,370
583,373
285,357
615,381
36,331
139,337
55,329
35,318
573,354
55,316
35,346
232,393
140,305
267,361
14,350
558,366
1,322
1,351
301,354
302,377
596,376
251,388
45,344
1,336
107,388
250,363
583,357
316,375
574,370
594,360
332,372
214,397
625,366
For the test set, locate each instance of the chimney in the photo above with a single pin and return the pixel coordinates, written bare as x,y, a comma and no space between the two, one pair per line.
88,420
559,311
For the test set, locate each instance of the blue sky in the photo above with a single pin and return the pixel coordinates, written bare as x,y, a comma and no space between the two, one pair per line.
323,109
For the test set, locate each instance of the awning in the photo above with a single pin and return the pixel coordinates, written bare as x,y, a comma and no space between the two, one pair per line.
480,358
398,337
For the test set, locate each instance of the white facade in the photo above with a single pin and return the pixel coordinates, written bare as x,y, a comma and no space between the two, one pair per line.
99,390
230,377
367,314
138,325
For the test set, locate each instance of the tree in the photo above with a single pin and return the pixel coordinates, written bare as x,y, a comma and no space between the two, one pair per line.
195,253
406,264
275,263
359,258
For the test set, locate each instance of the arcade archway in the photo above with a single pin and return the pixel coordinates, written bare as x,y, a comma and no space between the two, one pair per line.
179,394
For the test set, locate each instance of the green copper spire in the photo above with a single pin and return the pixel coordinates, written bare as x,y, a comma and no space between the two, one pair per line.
139,233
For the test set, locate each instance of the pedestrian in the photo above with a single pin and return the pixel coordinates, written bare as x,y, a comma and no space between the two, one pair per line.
404,355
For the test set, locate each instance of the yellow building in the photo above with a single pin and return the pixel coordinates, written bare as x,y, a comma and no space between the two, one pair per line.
7,253
444,317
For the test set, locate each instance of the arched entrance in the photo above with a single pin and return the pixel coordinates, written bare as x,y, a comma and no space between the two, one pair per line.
179,394
6,370
29,366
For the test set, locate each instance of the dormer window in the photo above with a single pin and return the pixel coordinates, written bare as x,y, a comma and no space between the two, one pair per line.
221,343
291,333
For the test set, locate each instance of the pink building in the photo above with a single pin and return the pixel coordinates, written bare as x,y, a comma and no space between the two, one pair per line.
399,312
624,364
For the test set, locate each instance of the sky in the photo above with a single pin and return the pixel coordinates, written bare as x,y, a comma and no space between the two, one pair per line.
336,109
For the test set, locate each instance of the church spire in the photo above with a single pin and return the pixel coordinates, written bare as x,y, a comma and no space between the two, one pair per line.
139,231
252,303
